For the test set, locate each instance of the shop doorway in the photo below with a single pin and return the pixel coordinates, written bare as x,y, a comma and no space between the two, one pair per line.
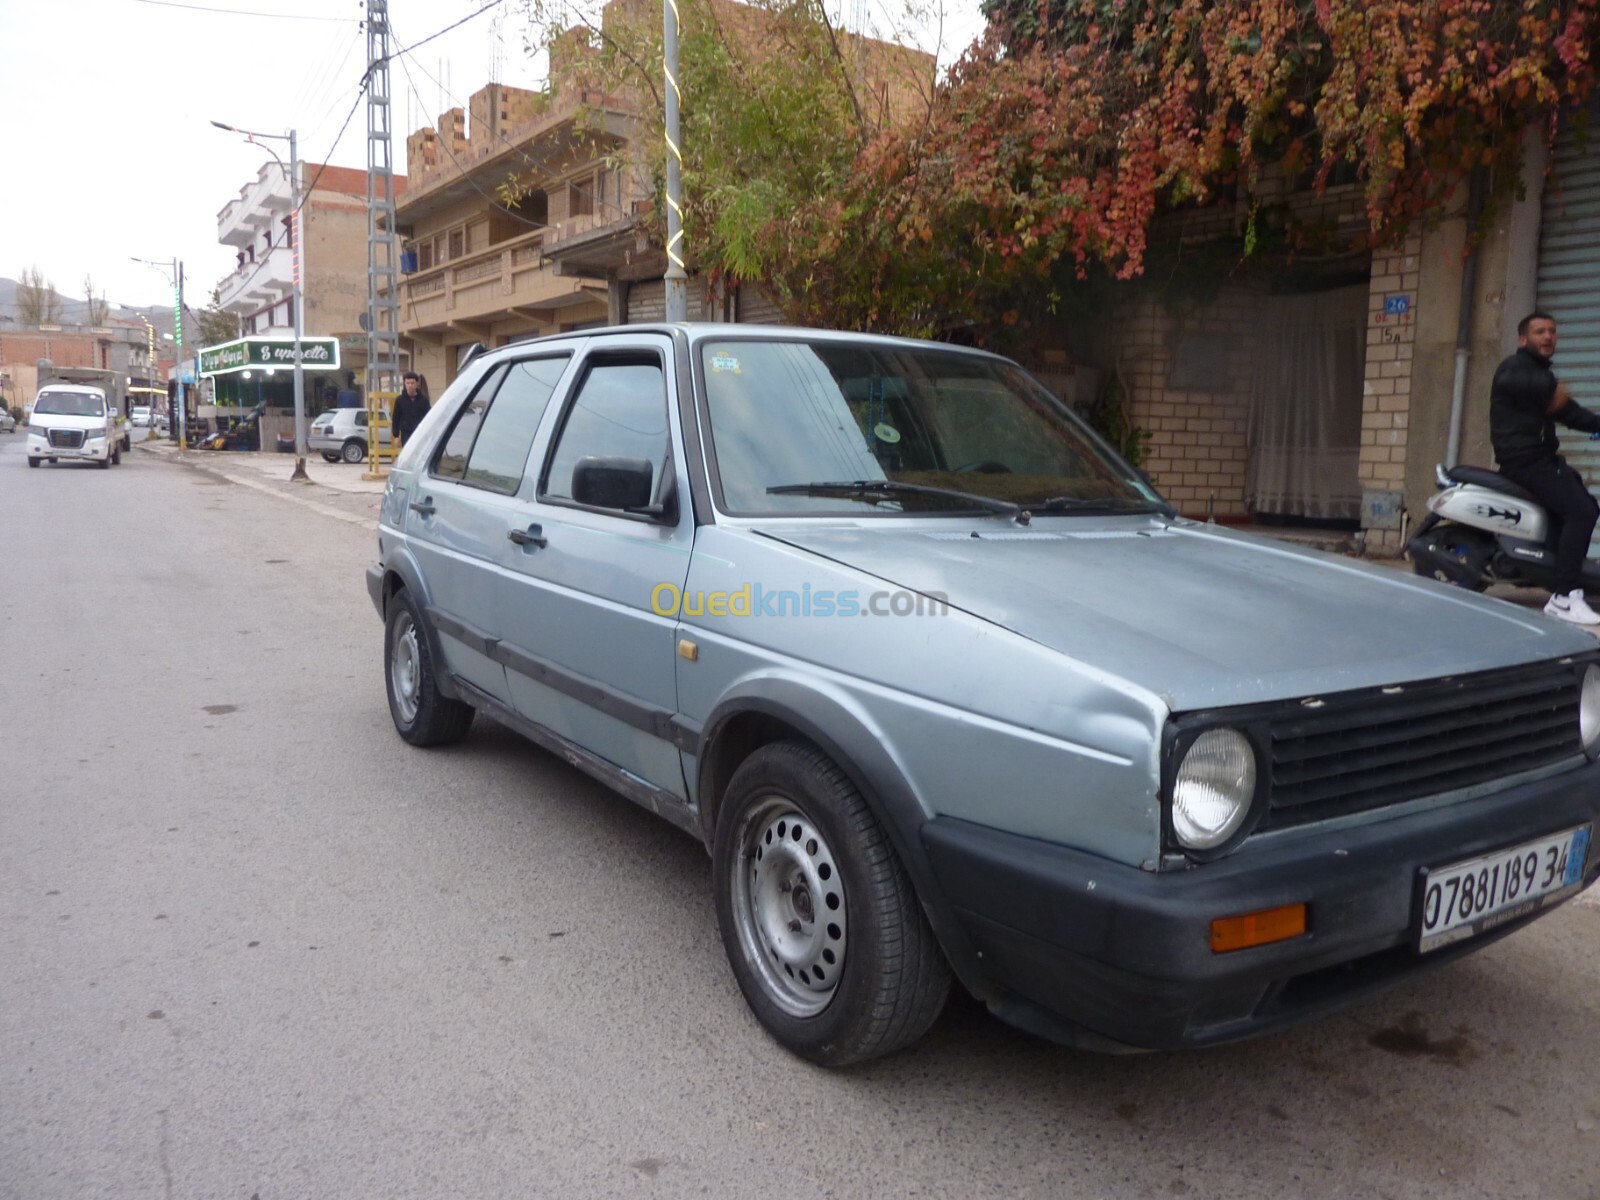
1305,409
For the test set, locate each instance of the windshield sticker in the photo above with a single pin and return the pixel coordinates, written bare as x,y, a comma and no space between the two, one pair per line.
725,362
886,432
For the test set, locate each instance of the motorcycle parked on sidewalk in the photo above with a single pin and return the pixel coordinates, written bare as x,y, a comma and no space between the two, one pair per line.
1481,528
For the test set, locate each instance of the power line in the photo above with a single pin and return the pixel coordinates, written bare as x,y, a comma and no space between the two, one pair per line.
239,12
445,30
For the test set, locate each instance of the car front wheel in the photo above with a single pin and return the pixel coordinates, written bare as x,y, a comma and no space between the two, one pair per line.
819,921
33,462
355,451
329,456
422,715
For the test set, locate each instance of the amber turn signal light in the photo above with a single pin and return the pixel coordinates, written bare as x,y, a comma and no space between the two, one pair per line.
1257,928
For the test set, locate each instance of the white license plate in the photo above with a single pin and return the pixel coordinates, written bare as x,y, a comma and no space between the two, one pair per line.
1464,899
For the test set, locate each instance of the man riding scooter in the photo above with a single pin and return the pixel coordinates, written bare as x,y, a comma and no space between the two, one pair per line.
1525,402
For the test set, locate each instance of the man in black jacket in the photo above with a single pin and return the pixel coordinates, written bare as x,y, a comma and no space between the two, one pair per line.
410,406
1525,401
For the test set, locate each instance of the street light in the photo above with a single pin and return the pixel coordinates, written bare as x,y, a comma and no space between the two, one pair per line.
293,172
174,272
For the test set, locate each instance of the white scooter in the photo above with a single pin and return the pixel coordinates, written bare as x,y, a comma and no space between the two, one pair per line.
1481,528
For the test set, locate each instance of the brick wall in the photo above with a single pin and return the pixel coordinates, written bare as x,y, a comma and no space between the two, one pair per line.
1386,401
1196,450
1198,445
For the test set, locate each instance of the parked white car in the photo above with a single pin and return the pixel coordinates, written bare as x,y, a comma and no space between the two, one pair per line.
141,416
341,433
7,421
73,421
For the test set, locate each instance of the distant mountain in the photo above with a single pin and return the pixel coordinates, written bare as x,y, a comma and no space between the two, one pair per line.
76,312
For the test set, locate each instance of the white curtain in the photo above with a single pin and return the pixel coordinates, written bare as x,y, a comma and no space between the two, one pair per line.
1305,405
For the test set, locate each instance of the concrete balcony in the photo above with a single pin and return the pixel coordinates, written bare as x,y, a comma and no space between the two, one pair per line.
257,283
509,278
260,204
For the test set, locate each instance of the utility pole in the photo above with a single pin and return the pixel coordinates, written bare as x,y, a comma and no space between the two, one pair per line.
181,424
174,273
383,252
677,278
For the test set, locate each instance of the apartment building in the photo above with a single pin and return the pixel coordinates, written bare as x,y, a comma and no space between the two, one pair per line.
569,251
333,266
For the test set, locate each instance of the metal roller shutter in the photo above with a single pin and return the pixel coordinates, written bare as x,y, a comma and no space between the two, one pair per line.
1569,273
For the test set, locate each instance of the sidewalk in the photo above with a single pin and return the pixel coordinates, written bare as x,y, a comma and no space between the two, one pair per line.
335,489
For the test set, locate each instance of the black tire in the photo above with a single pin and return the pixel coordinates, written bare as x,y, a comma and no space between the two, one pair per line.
33,462
796,844
116,457
354,451
330,457
103,463
422,716
127,442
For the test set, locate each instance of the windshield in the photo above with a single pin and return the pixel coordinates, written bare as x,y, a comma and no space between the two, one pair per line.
788,414
69,404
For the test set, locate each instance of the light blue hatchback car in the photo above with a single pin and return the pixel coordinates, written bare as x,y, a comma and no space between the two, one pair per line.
949,692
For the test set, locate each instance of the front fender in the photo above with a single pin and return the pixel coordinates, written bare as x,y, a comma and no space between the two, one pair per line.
836,724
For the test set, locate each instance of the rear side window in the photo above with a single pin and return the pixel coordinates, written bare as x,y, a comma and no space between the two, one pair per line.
500,454
488,445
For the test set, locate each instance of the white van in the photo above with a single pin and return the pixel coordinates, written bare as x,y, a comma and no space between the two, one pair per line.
73,421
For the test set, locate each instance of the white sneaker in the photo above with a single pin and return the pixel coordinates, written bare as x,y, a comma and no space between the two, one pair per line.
1572,607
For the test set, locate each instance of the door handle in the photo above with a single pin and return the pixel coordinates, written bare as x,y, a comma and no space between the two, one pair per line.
533,536
423,507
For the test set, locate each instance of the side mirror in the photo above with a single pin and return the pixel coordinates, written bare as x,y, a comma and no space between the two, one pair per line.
613,483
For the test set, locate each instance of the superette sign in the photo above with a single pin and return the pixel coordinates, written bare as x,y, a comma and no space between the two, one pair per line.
316,354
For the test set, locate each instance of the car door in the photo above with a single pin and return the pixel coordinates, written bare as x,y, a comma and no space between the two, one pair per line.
587,656
456,526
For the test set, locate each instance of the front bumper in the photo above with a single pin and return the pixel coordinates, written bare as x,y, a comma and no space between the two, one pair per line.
97,450
1097,953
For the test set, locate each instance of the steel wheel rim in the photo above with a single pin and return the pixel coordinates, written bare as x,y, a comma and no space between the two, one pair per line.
789,906
405,669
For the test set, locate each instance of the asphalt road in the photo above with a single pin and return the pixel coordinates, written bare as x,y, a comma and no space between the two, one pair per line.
253,946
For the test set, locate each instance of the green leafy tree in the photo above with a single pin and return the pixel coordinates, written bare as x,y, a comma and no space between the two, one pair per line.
215,324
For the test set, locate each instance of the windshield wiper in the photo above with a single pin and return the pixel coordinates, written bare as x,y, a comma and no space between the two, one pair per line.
1099,504
888,487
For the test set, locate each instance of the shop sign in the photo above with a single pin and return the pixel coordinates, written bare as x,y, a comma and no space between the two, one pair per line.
316,354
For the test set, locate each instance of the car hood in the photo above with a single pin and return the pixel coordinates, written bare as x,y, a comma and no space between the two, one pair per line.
1197,614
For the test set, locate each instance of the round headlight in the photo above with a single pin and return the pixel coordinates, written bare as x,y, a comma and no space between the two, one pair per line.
1212,792
1589,709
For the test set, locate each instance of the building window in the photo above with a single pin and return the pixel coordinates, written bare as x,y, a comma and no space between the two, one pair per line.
425,256
580,197
458,244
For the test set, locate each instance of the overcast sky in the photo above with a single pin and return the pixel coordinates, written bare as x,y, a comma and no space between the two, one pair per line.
108,153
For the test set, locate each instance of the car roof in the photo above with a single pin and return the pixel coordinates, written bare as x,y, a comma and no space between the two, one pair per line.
700,331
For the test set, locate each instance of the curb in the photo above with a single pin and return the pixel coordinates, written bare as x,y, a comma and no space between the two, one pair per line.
260,485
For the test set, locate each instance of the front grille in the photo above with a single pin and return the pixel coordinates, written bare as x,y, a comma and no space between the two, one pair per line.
66,439
1364,750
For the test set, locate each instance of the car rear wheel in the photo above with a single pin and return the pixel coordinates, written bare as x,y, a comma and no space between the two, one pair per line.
820,923
355,450
422,715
